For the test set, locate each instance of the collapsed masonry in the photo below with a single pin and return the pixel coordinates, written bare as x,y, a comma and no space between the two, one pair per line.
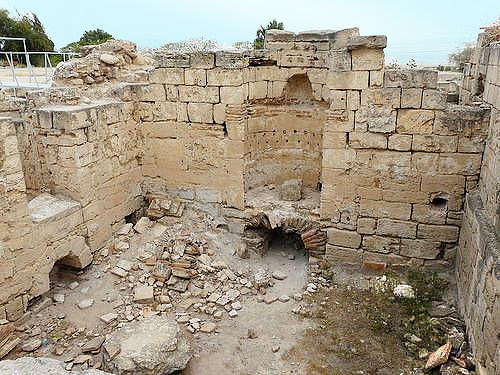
312,135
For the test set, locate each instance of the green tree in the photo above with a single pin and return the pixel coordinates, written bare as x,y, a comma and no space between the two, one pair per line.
26,26
96,36
261,32
461,56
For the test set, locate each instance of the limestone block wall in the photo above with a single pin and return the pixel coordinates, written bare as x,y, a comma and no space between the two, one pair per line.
33,235
192,121
478,257
92,153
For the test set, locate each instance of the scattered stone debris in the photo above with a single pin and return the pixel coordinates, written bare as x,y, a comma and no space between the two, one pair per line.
30,365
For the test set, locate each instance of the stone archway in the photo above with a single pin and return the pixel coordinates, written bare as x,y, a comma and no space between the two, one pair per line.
258,230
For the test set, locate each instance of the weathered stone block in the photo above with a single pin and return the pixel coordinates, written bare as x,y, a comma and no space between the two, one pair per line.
357,80
353,100
411,98
378,119
381,244
291,190
197,77
434,99
231,60
366,225
342,255
422,249
203,60
275,89
338,158
396,228
225,77
400,142
415,121
465,164
410,78
376,78
257,90
378,209
233,95
340,120
367,59
443,233
429,214
434,143
444,183
370,41
171,60
200,112
340,61
367,140
387,97
199,94
343,238
163,111
338,99
219,113
172,76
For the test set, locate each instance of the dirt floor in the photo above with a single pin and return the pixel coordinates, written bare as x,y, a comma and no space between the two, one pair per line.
303,324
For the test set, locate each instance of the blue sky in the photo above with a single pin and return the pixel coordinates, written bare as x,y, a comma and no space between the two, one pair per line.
425,30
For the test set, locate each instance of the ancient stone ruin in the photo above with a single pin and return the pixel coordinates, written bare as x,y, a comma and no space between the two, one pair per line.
311,136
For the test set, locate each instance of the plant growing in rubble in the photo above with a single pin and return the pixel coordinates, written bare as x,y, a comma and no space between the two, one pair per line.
261,32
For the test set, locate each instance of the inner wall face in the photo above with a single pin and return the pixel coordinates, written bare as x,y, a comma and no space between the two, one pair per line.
285,142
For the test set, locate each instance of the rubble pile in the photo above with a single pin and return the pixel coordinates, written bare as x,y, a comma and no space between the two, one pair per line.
112,60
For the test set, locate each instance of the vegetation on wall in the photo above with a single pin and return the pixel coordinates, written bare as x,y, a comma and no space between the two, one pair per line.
261,32
96,36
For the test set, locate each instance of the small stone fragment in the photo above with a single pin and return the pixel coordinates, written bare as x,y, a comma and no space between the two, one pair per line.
233,313
32,344
109,59
252,333
207,327
279,275
268,299
439,357
142,225
236,305
284,298
120,272
86,303
275,348
125,229
125,264
143,294
107,318
93,345
73,285
58,298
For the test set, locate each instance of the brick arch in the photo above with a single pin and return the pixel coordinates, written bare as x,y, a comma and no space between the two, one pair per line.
258,228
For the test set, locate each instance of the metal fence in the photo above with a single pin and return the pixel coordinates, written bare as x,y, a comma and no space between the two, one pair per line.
28,69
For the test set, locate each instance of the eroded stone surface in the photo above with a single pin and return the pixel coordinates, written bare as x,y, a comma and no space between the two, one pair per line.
152,346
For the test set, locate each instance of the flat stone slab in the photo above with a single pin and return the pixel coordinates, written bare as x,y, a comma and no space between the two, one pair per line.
154,345
46,207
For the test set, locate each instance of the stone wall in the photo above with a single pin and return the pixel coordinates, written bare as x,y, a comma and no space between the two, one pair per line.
478,258
33,234
388,160
92,153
